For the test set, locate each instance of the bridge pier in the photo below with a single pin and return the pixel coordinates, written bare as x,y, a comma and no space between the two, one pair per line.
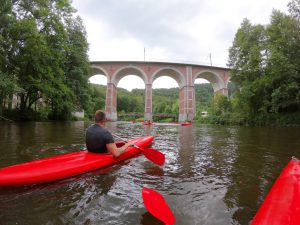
186,103
187,97
148,102
111,102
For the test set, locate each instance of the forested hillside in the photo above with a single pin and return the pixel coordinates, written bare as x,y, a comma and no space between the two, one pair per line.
163,100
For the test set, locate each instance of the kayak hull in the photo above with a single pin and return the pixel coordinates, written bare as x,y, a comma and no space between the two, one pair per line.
282,204
64,166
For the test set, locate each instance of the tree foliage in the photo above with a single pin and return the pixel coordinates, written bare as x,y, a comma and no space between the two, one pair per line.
130,101
8,80
265,63
44,55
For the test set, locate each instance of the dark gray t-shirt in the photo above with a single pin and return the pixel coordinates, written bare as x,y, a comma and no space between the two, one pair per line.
96,138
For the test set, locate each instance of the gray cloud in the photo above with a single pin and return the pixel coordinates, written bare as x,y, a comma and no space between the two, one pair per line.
154,24
184,30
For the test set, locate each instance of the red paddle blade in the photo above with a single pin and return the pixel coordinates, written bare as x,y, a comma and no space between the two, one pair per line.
157,206
155,156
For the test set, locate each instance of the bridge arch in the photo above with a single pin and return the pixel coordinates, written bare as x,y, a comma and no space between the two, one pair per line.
128,70
170,72
215,80
112,83
94,70
179,77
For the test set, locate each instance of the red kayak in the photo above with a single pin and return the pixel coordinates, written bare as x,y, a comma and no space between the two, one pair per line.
282,204
186,124
147,123
65,165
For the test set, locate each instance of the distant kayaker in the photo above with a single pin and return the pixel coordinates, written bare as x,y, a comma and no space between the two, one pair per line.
100,140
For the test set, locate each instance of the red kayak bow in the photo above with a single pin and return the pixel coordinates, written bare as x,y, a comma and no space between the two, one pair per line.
282,204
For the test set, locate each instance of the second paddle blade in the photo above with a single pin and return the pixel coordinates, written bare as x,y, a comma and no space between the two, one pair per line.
157,206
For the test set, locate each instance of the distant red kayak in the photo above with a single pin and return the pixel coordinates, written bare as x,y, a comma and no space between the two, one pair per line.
147,123
186,124
282,204
63,166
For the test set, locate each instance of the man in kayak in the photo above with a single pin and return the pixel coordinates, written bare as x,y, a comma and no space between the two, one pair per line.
100,140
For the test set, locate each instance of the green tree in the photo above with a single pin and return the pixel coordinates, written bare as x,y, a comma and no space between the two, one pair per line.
221,104
8,79
98,95
246,56
294,9
46,50
129,102
77,63
283,64
247,59
265,62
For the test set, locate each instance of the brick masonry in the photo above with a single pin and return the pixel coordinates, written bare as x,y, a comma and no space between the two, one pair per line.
184,74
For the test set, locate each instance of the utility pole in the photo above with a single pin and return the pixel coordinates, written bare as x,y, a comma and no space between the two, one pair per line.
144,54
210,59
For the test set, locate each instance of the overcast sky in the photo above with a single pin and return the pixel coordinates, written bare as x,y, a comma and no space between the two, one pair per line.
186,31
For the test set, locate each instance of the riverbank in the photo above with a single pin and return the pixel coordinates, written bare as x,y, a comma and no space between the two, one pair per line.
252,120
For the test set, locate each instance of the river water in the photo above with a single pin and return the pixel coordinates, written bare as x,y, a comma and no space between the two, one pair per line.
213,175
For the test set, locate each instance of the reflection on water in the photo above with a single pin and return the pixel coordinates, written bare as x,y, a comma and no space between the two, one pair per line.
212,175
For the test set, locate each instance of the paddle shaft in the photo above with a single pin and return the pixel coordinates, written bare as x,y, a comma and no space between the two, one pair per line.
127,142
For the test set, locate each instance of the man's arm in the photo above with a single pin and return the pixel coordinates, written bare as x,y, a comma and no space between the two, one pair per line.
115,151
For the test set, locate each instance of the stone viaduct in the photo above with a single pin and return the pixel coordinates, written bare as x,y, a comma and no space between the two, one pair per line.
184,74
